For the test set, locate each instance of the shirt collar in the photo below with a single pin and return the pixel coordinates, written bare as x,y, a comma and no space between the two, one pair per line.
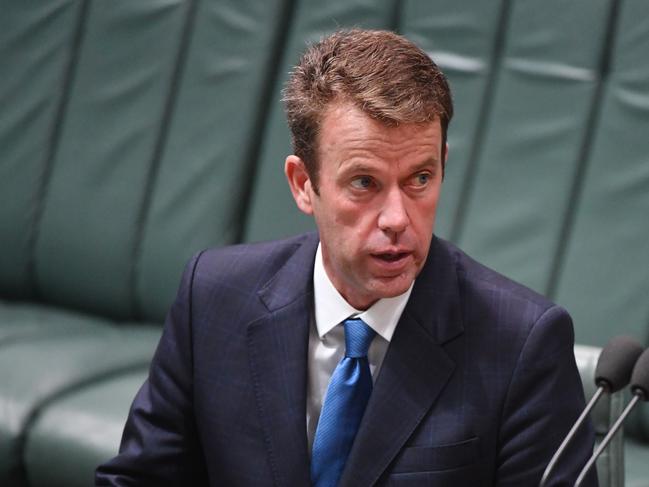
331,308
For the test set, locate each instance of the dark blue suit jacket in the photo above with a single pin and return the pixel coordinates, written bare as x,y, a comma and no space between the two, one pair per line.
478,387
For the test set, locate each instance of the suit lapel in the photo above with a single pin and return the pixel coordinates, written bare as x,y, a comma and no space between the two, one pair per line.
278,347
414,372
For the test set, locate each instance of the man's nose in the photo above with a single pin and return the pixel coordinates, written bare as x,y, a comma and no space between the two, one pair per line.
394,216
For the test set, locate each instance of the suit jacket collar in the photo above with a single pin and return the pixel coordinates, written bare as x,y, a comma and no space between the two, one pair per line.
435,299
414,372
278,347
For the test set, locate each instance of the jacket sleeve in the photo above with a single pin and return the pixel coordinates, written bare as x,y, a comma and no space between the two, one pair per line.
544,399
160,444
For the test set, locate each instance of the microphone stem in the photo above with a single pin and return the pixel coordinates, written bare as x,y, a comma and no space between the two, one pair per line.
591,404
607,439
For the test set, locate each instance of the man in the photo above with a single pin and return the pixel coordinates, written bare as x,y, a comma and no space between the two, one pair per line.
462,377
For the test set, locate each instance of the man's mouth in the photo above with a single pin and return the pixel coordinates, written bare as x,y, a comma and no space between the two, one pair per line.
391,256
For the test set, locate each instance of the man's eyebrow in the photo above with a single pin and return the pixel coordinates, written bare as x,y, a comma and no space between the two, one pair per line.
351,165
355,166
431,161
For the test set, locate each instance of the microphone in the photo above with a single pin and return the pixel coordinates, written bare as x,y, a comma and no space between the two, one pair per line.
640,391
612,373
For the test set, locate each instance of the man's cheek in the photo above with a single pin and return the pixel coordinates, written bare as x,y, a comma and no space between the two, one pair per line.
348,219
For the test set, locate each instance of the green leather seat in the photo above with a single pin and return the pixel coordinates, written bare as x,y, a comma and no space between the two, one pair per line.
34,372
133,151
534,132
604,276
22,321
79,430
125,149
35,39
208,146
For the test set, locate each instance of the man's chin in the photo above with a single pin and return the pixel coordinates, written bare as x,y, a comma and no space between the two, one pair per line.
390,287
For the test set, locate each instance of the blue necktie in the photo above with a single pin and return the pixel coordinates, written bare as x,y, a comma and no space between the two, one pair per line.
349,390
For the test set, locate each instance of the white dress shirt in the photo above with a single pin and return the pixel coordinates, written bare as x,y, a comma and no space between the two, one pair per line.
327,336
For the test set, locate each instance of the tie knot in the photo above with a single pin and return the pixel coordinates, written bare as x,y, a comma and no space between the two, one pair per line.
358,336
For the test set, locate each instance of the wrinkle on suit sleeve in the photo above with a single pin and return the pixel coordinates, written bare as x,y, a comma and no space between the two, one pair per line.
160,444
544,399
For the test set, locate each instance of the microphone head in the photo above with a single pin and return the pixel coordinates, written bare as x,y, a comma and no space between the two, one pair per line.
616,362
640,377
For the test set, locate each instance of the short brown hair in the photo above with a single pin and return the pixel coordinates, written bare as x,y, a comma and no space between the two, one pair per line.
384,74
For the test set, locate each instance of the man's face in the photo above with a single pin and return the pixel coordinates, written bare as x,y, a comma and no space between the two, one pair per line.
378,190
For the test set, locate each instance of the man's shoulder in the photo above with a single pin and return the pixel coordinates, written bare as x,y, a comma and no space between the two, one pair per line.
480,281
282,248
496,309
249,262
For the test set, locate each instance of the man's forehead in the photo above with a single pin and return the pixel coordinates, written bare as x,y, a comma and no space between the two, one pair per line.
345,126
342,107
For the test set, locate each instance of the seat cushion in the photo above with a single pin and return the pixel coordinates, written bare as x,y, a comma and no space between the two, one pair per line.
35,372
22,321
76,432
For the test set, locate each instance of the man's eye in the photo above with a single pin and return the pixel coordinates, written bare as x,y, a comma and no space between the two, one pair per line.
362,182
422,179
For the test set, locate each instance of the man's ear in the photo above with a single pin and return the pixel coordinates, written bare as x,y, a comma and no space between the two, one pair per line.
299,182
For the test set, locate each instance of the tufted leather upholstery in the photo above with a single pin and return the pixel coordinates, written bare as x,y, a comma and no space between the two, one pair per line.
133,134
